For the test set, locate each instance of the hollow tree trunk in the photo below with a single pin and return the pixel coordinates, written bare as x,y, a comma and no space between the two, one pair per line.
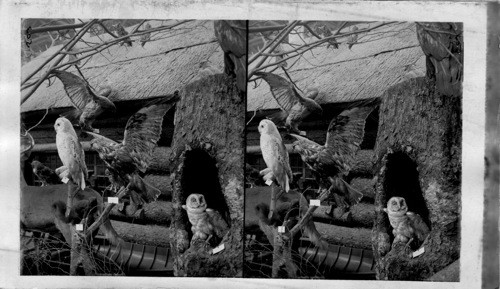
419,158
207,158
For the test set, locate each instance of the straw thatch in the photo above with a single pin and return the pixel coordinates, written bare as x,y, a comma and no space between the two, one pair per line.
165,64
380,59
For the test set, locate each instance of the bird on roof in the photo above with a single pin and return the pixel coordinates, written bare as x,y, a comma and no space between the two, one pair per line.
122,32
45,174
331,42
442,44
352,38
275,154
232,38
295,107
146,37
71,152
130,158
88,105
332,162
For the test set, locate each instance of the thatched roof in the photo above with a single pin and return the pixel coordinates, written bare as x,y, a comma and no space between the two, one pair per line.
379,61
161,67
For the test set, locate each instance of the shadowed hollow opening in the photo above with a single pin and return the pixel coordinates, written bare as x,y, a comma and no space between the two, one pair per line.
402,180
200,176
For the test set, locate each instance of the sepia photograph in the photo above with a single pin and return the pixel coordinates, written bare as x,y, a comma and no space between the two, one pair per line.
132,147
354,150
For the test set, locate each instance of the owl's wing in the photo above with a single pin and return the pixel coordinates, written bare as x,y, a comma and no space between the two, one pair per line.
76,88
78,155
281,154
143,130
282,90
345,134
420,227
219,224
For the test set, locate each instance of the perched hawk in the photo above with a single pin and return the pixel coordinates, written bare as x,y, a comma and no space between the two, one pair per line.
70,152
45,174
275,154
407,226
88,105
133,155
295,107
232,38
332,161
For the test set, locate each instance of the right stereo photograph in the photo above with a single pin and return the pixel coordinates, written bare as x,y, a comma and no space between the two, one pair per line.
353,159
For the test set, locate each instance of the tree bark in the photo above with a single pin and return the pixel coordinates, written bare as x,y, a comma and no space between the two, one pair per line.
419,158
207,158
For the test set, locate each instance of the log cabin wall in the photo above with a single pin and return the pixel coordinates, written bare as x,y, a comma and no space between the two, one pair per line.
418,153
209,128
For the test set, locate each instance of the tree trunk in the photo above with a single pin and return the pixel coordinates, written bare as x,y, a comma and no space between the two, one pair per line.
207,158
419,158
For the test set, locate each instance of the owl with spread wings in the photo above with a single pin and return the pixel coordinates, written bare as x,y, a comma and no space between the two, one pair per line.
70,152
332,162
127,160
407,226
88,105
295,107
232,38
275,154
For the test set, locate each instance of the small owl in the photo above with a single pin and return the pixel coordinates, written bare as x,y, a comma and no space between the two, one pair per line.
71,151
407,226
196,208
275,154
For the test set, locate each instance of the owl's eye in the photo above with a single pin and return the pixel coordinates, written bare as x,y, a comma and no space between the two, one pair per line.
394,203
193,199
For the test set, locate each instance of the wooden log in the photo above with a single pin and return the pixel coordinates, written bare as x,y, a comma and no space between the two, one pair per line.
362,215
160,161
450,273
163,183
143,234
158,212
208,158
366,187
349,237
418,155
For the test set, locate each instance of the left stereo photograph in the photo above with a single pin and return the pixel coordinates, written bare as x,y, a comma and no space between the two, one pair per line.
132,147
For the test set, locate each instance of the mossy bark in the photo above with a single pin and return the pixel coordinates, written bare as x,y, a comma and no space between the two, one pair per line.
418,154
207,157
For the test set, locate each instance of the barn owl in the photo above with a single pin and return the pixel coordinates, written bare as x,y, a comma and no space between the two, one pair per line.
275,154
88,105
295,107
71,151
407,226
232,38
133,155
45,174
197,211
332,162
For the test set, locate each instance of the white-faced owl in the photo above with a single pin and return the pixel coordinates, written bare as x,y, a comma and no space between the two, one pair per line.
407,226
196,208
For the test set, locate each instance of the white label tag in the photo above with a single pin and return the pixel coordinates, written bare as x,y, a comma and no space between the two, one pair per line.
418,252
113,200
315,203
218,249
65,180
269,182
79,227
96,130
281,229
303,133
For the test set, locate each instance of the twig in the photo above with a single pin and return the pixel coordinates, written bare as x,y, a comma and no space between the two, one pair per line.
57,61
56,28
103,217
43,117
